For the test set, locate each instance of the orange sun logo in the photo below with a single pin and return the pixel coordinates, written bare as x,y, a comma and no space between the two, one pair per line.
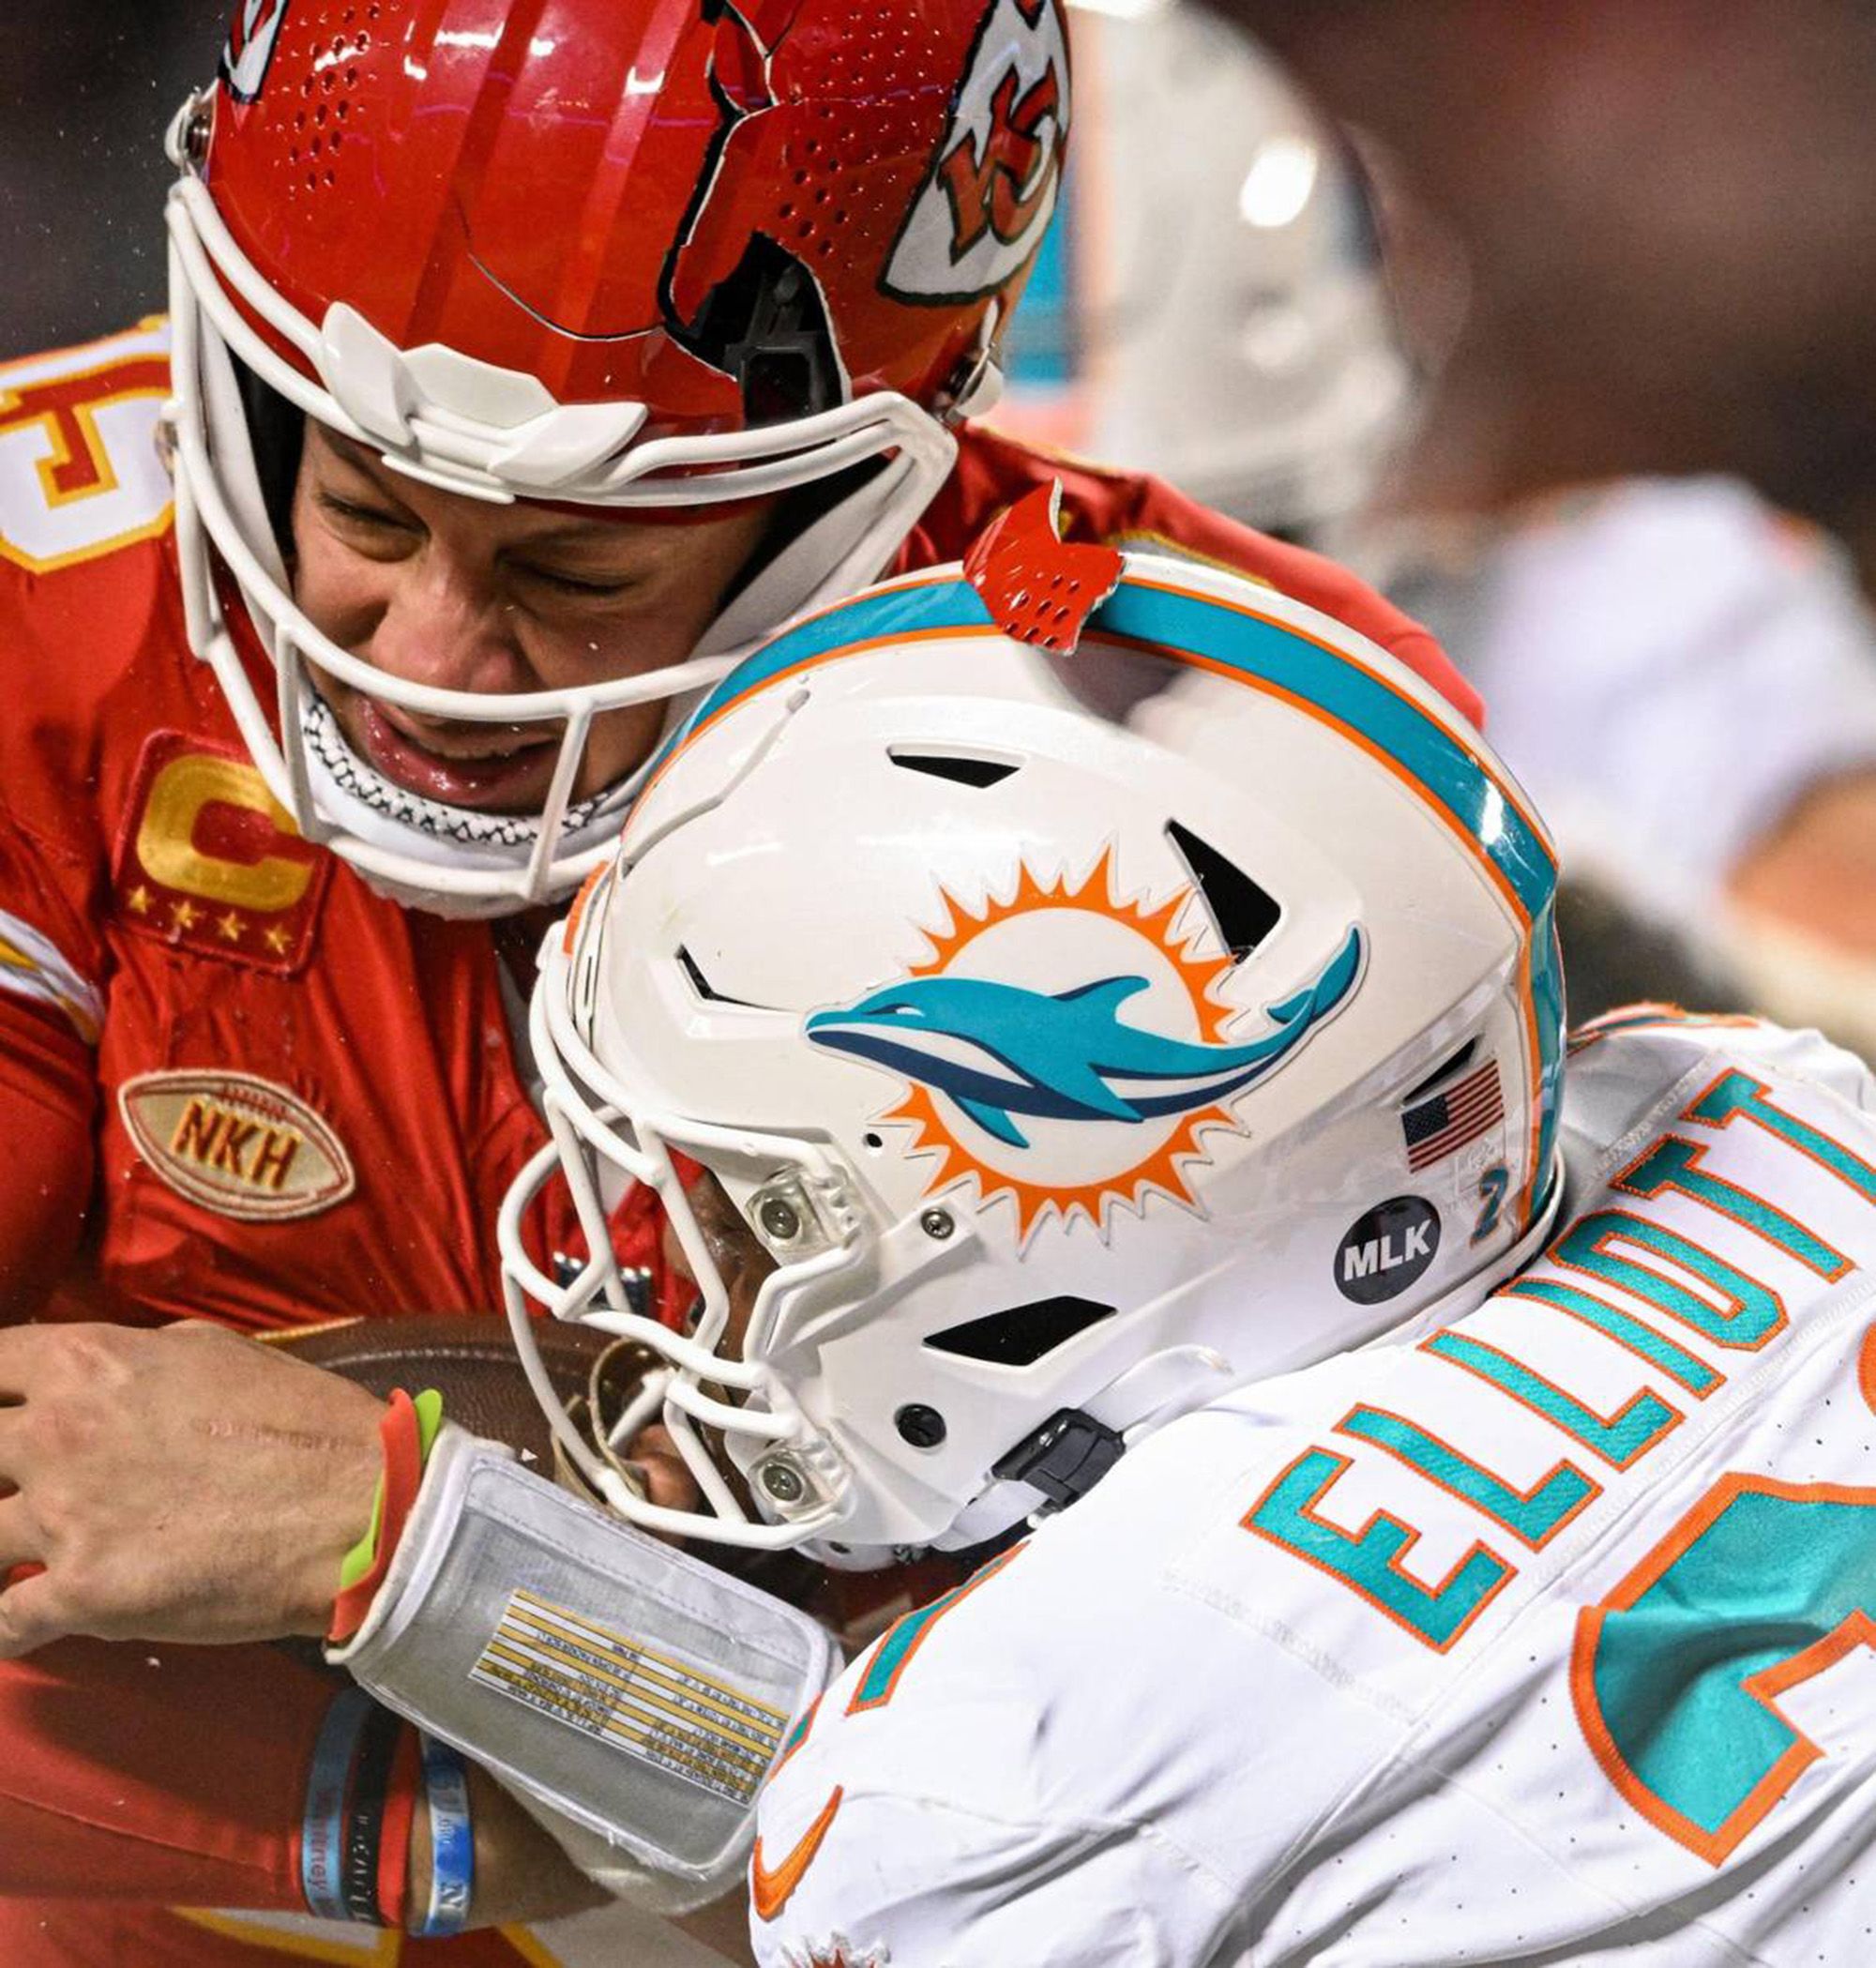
1062,935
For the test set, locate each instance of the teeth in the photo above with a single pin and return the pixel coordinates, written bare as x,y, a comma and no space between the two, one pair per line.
456,756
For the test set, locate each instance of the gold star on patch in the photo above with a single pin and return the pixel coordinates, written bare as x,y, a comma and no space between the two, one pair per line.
277,939
138,900
231,927
183,915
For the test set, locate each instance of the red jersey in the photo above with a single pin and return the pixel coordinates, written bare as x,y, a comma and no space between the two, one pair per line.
286,1098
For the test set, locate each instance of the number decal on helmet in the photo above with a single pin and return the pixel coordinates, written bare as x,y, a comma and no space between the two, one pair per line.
1492,1187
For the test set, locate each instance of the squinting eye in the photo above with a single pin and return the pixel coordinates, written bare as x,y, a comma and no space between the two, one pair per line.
359,515
566,584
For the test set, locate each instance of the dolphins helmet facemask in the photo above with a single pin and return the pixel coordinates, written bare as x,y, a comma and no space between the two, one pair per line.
1081,1020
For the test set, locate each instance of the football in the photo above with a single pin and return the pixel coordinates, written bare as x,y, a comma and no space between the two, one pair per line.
472,1363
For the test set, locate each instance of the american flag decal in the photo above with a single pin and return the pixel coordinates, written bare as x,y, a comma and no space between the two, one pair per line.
1435,1129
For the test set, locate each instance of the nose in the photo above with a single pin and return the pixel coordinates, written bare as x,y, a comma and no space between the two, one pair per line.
443,627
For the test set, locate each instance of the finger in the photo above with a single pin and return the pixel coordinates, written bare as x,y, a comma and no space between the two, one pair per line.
667,1476
30,1615
21,1540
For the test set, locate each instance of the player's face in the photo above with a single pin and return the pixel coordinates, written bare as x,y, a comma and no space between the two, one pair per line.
437,588
735,1251
742,1263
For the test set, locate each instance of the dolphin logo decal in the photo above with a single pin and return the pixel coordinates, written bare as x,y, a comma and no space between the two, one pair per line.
999,1050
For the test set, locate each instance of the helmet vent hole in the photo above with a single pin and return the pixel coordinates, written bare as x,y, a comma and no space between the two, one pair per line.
1243,912
961,771
922,1427
705,991
766,327
1023,1334
1444,1070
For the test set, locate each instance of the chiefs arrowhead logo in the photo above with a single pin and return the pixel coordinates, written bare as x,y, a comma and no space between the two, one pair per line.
252,36
991,188
1002,190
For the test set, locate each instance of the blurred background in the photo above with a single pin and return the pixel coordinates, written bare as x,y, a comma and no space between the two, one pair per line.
86,90
1267,308
1484,340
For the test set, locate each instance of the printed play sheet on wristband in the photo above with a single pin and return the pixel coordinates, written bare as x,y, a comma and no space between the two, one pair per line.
654,1705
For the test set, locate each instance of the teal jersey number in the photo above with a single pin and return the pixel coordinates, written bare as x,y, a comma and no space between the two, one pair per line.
1678,1673
1370,1559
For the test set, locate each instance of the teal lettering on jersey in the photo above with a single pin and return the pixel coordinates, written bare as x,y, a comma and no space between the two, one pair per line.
1678,1673
1737,1093
1618,1439
894,1651
1534,1518
1752,1316
1673,1163
1368,1559
903,1639
1689,1368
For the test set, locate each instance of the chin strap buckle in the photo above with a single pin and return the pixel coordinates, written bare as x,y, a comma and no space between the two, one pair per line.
1064,1459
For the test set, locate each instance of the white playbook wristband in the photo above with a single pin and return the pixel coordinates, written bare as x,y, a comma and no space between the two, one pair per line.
607,1676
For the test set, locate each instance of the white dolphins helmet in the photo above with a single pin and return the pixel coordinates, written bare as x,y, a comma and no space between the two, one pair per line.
1210,303
1080,1028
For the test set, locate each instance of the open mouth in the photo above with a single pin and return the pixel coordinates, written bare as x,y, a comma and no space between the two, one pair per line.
498,768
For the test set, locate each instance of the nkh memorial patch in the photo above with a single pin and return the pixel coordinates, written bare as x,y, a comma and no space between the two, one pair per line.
236,1144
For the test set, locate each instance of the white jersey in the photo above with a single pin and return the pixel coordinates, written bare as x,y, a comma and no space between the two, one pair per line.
1616,635
1544,1636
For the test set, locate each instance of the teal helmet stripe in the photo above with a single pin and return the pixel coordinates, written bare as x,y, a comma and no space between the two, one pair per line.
1263,651
1190,624
1448,773
917,608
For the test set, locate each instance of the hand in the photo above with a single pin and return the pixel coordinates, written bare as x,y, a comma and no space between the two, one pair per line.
182,1484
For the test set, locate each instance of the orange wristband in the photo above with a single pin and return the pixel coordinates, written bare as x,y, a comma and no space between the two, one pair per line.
403,1436
394,1839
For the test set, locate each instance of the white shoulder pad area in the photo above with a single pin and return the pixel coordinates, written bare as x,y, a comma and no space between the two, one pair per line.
1628,1065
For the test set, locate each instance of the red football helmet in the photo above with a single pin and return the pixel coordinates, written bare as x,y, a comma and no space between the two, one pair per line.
630,254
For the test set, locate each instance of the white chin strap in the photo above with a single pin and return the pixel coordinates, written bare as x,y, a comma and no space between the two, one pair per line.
376,817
